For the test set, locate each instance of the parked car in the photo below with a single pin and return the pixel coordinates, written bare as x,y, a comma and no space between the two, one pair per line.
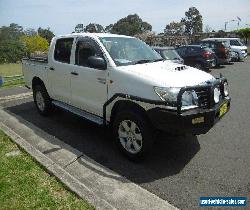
121,82
239,50
169,53
198,56
221,50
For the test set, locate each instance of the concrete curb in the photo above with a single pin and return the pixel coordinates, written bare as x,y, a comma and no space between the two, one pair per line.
100,186
53,168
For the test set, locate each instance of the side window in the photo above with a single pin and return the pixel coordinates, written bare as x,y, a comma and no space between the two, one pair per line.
192,50
84,49
181,51
63,50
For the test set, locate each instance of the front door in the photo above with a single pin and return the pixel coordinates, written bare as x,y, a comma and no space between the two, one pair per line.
88,85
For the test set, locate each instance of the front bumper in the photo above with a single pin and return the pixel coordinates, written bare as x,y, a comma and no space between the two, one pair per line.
195,121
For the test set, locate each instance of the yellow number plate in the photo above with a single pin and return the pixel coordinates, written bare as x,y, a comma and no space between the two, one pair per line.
223,109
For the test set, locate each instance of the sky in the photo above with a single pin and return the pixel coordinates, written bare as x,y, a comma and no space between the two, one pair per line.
63,15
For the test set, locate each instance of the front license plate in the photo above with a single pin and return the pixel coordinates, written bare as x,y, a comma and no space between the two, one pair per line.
223,109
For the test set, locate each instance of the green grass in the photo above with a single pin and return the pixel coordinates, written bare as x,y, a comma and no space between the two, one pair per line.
25,185
10,69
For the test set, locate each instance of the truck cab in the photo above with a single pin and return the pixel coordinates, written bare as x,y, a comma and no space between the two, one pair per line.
120,82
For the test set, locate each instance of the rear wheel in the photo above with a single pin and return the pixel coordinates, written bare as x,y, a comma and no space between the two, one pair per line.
133,134
42,100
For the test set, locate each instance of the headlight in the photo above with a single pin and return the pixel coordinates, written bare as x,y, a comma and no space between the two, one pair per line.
226,92
216,95
189,98
167,94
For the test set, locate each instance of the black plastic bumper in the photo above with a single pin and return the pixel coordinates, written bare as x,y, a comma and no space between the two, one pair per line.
195,121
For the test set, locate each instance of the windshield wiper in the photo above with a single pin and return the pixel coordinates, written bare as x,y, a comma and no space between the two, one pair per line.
147,61
156,60
142,61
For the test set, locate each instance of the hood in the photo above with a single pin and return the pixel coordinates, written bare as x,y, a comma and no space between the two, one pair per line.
239,47
168,74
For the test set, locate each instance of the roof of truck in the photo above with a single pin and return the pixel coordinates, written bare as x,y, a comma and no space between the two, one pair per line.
221,39
95,35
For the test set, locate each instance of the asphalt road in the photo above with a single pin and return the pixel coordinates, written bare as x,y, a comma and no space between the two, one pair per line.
180,169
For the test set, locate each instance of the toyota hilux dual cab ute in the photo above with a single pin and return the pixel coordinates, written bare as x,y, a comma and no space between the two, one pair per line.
121,82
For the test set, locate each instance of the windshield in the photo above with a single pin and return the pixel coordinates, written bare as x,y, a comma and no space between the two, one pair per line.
170,54
235,42
129,51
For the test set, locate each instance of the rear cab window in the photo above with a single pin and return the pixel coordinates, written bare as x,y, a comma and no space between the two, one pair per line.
62,51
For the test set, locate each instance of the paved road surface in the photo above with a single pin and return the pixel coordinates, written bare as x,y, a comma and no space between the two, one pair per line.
180,169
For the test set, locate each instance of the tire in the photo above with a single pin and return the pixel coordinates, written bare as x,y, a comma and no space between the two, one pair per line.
237,57
42,100
133,134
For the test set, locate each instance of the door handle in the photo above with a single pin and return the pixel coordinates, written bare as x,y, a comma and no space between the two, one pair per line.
101,80
74,73
51,68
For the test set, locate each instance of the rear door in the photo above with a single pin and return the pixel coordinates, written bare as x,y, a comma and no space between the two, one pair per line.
88,85
59,70
192,55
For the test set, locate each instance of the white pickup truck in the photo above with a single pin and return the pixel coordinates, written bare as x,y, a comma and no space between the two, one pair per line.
120,81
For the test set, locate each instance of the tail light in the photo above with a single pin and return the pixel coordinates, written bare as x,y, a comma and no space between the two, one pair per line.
206,54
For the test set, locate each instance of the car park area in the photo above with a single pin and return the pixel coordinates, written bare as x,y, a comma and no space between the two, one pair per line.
180,169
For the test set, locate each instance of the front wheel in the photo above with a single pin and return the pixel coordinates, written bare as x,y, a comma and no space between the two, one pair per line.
133,134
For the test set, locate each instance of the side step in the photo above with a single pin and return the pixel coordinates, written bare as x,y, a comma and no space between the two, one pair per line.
96,119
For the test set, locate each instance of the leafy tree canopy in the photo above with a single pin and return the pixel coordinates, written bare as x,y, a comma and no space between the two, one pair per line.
46,33
174,28
192,21
35,43
131,25
94,28
244,33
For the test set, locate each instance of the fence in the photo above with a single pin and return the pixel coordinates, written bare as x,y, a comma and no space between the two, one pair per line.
9,80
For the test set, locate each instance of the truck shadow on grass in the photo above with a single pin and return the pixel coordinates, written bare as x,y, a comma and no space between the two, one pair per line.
168,157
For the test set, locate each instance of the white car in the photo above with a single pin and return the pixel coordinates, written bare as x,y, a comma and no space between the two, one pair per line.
120,81
238,49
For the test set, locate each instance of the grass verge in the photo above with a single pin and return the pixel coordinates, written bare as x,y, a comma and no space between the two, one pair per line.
25,185
12,69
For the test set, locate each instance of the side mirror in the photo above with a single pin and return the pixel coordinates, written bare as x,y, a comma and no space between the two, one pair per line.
97,62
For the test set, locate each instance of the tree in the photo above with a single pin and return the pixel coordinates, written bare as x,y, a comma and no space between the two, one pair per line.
244,33
108,29
13,31
94,28
30,32
192,21
11,48
208,29
174,28
35,43
45,33
79,28
131,25
11,51
220,33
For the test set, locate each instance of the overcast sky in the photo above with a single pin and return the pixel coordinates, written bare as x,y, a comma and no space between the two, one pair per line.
62,15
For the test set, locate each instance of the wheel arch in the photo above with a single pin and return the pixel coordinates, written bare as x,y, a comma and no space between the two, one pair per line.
126,105
38,81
